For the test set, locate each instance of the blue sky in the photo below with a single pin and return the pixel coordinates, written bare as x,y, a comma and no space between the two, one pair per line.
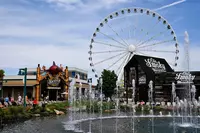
42,31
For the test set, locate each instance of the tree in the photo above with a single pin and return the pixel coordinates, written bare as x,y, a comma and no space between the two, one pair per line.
2,72
109,83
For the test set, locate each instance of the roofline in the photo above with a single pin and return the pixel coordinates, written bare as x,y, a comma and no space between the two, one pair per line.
77,69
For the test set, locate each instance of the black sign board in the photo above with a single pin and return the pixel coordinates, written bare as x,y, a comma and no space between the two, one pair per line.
53,81
147,67
179,77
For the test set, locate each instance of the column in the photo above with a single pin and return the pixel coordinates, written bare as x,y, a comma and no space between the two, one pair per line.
67,82
37,91
33,93
13,93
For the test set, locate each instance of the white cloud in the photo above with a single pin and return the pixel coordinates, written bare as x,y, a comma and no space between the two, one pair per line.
89,5
66,4
20,55
109,2
65,1
37,37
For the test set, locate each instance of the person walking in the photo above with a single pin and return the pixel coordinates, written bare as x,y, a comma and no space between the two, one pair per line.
19,99
34,103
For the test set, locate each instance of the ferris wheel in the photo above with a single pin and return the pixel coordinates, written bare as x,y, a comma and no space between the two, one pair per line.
131,31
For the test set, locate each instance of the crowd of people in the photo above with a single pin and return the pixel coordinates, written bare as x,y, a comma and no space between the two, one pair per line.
10,101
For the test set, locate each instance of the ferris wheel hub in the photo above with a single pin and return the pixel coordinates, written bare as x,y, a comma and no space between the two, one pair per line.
131,48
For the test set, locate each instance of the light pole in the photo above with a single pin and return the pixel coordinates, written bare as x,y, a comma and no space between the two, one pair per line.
25,77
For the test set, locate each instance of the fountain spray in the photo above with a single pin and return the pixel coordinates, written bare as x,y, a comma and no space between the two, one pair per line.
173,101
80,102
150,95
187,58
133,104
101,83
71,100
90,97
117,107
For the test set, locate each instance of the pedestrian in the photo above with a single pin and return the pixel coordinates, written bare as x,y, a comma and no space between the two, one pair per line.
19,99
7,100
34,103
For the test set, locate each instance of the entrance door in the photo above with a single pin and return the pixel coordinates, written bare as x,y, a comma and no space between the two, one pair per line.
52,94
143,94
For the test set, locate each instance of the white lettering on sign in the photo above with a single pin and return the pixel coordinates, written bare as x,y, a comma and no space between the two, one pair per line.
155,65
142,80
54,81
57,88
184,77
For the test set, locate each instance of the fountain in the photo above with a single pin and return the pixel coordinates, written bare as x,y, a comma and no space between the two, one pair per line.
179,114
173,101
70,125
80,102
150,95
133,104
117,107
101,96
90,97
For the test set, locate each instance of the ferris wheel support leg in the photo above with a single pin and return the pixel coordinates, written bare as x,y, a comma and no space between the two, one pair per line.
122,69
121,72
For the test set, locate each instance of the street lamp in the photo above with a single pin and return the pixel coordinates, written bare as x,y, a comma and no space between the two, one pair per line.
24,81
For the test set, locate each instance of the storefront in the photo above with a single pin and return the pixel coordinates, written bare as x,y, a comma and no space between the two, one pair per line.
41,82
183,81
144,68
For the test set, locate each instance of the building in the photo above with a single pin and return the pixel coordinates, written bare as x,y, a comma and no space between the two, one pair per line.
143,69
42,82
181,79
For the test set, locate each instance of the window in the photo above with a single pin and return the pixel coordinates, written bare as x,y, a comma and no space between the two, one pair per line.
73,74
82,76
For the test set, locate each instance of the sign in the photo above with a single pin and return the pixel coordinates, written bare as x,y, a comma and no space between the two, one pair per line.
142,80
53,81
184,77
57,88
156,66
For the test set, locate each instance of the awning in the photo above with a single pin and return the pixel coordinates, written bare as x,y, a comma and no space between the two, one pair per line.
20,83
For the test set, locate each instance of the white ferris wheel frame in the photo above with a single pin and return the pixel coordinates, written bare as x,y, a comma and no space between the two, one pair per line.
131,48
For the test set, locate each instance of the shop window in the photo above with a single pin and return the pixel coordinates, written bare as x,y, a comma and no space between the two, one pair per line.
73,74
82,76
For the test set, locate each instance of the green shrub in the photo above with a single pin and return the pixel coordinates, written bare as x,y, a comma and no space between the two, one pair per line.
58,106
15,110
1,112
138,108
146,109
96,106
